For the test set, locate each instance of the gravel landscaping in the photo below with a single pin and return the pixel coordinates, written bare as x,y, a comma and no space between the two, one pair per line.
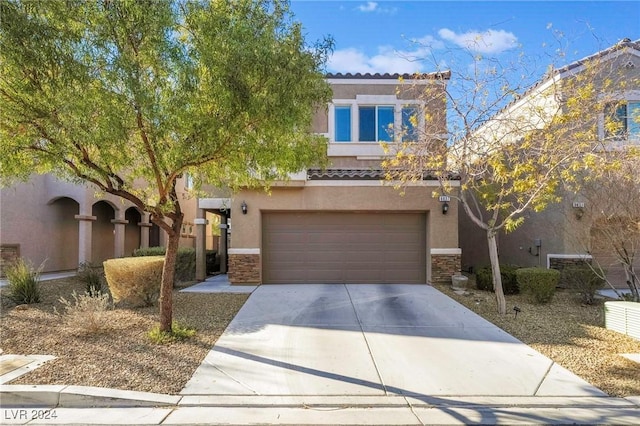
123,357
567,331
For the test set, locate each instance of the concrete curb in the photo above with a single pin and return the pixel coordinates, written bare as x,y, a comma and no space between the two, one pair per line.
59,396
92,405
80,397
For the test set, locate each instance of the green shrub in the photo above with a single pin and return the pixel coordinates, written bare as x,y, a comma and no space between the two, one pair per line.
92,277
185,261
149,251
538,284
484,279
24,282
584,280
178,332
134,280
87,311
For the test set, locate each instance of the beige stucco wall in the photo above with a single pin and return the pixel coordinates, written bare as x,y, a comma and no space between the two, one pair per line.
39,215
246,229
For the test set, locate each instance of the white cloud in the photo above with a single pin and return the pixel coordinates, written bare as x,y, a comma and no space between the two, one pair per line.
418,56
387,60
349,60
370,6
488,42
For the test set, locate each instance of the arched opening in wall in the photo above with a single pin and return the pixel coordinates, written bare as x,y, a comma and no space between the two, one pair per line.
102,233
132,230
61,243
154,235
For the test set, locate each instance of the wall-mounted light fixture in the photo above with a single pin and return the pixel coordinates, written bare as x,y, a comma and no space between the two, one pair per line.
578,209
243,206
444,199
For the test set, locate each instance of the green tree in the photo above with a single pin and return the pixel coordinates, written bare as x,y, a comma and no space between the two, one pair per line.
512,141
130,95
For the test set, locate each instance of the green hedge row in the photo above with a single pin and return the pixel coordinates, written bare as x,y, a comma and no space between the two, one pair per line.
484,279
538,284
185,261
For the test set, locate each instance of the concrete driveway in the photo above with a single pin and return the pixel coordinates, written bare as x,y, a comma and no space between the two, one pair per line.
372,340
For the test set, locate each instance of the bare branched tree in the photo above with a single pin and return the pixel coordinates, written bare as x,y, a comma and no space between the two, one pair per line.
511,142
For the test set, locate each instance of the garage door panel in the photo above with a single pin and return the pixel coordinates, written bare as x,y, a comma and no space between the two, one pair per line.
335,247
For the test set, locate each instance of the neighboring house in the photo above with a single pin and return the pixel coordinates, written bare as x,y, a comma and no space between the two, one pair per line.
564,233
343,224
61,224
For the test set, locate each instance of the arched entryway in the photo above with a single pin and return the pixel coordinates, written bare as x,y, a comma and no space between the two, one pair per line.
61,236
132,230
102,238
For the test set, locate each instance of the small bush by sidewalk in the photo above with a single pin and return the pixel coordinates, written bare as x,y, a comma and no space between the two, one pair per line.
24,282
87,312
538,284
484,279
584,280
185,261
134,280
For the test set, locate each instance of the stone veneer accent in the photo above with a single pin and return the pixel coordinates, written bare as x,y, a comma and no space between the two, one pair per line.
561,263
244,269
9,253
443,266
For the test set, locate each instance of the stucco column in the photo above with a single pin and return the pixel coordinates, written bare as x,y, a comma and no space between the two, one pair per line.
144,231
223,244
201,241
118,232
84,237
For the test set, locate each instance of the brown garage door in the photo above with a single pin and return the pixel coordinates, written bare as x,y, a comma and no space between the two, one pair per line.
342,247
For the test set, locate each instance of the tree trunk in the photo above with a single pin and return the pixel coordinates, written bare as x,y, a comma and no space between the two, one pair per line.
495,271
168,277
632,281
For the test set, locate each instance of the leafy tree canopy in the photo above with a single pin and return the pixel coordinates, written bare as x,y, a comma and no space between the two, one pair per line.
131,94
123,92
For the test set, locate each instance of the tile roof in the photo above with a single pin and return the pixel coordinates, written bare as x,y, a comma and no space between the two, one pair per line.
622,44
444,75
360,174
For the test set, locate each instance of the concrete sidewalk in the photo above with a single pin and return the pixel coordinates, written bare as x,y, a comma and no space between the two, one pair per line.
354,354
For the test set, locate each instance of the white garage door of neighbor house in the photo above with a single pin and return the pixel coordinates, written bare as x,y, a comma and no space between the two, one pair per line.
340,247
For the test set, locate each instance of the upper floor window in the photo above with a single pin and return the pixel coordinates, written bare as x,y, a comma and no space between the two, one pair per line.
368,122
622,120
410,123
343,124
376,123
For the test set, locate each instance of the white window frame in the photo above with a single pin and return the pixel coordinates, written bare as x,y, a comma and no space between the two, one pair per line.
369,100
629,96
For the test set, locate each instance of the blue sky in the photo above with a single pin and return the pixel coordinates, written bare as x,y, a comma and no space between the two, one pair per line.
379,36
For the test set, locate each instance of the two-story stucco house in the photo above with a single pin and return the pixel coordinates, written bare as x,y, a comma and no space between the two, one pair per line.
343,224
565,233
